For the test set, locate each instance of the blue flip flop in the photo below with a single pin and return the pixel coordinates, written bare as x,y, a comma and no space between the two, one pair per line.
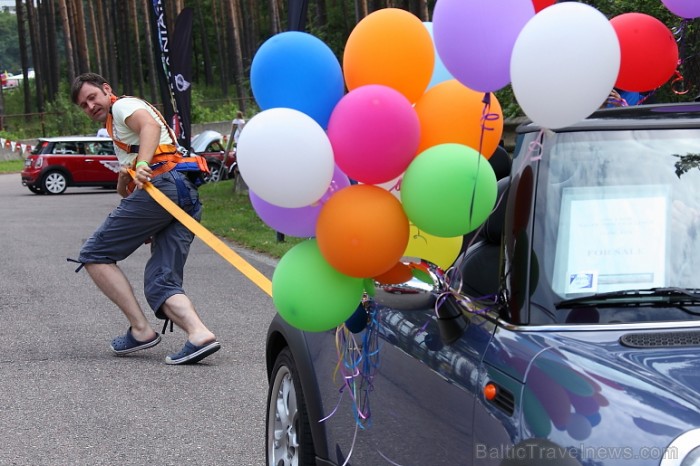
126,344
190,353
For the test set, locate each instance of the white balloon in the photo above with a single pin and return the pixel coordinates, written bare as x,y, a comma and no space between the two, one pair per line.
285,157
564,64
393,186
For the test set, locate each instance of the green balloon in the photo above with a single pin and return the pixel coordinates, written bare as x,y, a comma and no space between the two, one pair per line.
309,293
449,190
370,288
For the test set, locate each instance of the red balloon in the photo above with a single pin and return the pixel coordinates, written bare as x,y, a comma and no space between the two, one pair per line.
542,4
649,53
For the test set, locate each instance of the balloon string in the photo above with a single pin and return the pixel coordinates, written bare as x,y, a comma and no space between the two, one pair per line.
486,116
477,306
352,447
397,186
387,459
419,234
535,149
357,364
454,275
678,82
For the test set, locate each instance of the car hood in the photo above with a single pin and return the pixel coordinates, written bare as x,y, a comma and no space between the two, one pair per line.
200,141
575,380
650,363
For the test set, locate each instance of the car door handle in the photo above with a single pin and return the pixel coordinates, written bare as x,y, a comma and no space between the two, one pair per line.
89,160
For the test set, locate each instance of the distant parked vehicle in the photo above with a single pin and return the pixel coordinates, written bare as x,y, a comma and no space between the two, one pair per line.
209,144
60,162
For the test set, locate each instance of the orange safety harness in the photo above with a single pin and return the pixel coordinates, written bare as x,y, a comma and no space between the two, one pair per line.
166,156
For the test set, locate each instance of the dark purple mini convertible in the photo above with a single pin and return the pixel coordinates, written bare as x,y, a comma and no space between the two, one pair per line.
566,333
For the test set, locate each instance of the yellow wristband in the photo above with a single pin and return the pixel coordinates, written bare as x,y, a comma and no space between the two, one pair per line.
142,162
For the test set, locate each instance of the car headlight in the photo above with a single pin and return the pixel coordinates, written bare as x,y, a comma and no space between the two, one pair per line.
684,450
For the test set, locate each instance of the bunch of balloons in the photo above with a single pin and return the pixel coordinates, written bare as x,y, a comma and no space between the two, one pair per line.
410,117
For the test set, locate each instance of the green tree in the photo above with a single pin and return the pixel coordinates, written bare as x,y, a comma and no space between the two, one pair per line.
112,36
9,44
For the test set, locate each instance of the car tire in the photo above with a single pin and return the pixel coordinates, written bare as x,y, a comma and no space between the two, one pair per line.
54,182
35,189
288,433
215,172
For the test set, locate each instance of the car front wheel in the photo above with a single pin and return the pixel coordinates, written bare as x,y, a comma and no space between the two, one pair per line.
288,436
215,172
54,183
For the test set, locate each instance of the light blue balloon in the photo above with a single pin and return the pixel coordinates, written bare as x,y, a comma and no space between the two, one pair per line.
297,70
440,73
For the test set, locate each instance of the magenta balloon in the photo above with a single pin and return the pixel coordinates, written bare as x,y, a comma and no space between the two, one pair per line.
475,38
684,8
374,131
296,221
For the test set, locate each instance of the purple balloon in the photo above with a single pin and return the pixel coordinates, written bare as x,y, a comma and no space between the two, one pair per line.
684,8
475,38
297,221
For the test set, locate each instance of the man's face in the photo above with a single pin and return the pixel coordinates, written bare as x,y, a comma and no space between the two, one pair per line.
95,101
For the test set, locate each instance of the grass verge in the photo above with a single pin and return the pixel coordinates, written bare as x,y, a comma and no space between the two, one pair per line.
230,215
226,214
11,166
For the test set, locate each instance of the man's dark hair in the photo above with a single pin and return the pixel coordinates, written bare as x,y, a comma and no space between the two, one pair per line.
93,79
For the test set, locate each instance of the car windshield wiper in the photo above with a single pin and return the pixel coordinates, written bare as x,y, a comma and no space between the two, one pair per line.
648,296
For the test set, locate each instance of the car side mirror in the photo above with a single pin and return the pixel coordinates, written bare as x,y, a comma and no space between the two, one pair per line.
419,291
451,321
425,288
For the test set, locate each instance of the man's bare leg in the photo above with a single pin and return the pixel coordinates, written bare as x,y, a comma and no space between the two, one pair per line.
110,279
181,311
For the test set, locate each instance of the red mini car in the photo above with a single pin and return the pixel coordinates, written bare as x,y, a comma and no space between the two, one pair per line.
60,162
210,145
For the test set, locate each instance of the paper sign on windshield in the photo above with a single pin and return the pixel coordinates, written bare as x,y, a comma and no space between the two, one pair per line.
612,238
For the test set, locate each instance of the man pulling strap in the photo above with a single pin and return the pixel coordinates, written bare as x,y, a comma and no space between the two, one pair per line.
145,144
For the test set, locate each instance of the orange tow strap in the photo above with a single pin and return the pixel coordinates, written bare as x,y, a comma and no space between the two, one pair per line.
208,237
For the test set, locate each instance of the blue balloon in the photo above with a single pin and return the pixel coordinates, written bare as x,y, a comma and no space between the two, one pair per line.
297,70
440,73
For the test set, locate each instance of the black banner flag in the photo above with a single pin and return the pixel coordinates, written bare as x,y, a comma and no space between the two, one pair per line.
181,61
175,80
296,14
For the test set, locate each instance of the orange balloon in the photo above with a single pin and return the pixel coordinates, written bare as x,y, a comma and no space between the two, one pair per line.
362,231
450,112
391,47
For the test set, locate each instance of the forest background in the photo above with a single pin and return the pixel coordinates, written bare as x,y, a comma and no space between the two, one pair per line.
60,39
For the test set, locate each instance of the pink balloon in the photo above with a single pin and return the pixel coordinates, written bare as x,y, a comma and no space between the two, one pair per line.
297,221
375,132
684,8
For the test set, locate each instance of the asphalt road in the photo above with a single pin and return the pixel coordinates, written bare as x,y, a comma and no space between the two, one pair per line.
65,399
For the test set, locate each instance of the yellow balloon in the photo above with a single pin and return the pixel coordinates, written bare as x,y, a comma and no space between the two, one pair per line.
440,251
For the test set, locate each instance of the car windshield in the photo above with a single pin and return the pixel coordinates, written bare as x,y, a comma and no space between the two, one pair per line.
616,211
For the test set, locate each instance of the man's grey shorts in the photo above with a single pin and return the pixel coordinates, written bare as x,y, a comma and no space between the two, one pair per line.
138,218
